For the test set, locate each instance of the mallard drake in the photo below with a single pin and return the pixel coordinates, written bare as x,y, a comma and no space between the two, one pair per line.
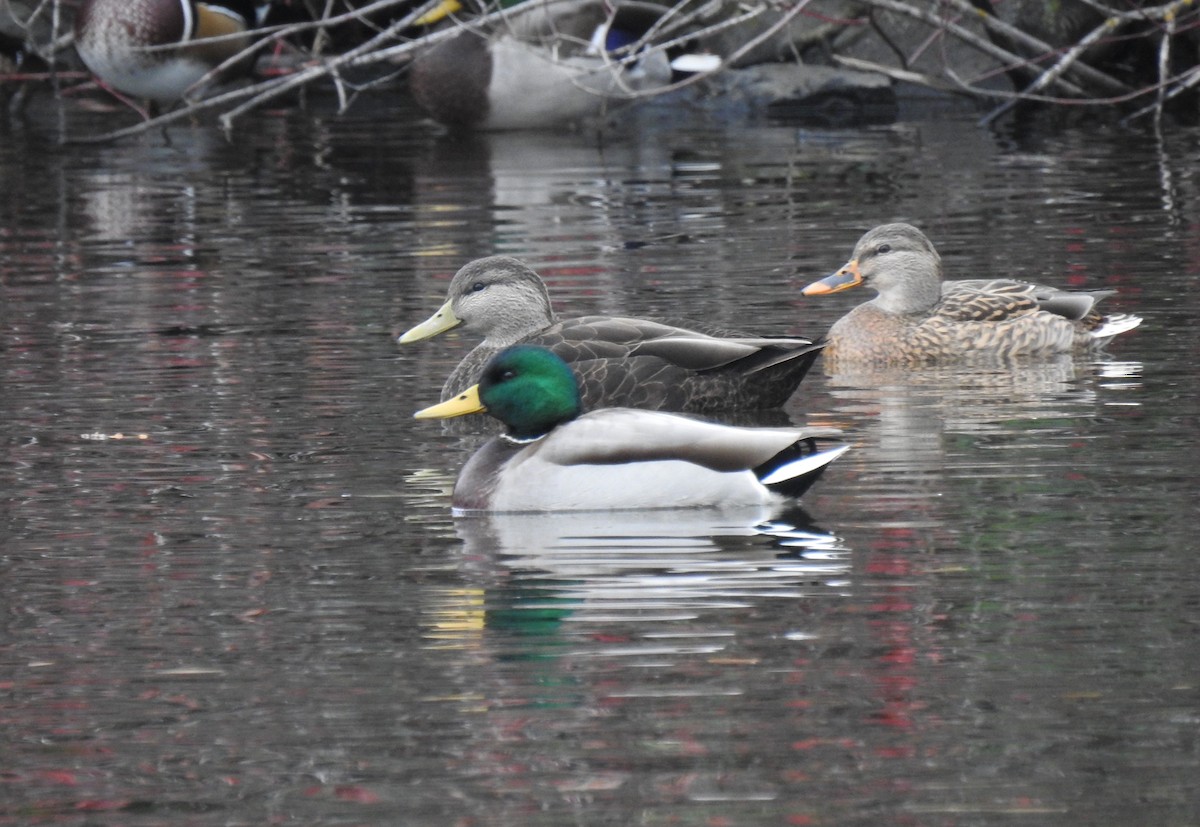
918,318
636,363
125,42
553,457
549,62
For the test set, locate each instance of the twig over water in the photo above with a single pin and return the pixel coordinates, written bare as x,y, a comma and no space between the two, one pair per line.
1073,72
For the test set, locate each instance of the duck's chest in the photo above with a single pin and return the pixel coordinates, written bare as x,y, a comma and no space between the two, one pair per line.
869,335
475,489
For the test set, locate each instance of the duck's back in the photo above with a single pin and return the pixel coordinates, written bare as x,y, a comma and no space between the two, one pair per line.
662,365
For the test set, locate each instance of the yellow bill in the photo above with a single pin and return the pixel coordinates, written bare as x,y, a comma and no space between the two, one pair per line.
439,12
467,402
441,321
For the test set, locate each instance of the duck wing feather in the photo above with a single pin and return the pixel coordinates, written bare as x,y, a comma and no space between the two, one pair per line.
1000,299
985,301
644,363
622,435
651,364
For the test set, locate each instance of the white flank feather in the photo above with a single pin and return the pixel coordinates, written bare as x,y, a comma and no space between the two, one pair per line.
621,458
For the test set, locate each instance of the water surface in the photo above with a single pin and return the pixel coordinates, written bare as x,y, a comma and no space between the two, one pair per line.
233,592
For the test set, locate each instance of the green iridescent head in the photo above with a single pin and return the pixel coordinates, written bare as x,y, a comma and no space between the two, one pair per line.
530,390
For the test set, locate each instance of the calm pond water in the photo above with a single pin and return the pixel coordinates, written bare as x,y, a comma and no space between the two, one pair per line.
232,592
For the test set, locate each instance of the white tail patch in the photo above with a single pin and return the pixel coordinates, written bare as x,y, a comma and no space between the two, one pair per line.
1115,325
804,465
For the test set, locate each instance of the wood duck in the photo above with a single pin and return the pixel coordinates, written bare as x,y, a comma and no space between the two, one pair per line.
160,49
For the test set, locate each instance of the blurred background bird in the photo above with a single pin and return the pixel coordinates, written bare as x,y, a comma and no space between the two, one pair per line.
159,50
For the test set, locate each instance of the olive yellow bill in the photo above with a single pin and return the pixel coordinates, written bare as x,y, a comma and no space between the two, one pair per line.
467,402
441,321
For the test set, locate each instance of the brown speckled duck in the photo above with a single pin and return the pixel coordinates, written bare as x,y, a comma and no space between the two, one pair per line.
669,365
919,319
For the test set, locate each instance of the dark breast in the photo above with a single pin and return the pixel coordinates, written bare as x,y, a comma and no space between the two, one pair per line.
450,81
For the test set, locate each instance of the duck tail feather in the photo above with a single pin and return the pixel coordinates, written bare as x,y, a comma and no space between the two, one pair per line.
801,357
1115,325
793,471
1073,306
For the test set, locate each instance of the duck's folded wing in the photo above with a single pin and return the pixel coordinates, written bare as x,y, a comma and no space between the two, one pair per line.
622,435
598,337
986,301
614,337
999,299
614,329
700,353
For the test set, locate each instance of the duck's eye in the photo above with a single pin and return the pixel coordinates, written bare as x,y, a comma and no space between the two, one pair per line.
508,374
477,286
883,248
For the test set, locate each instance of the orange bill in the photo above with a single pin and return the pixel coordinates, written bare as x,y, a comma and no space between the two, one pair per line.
843,279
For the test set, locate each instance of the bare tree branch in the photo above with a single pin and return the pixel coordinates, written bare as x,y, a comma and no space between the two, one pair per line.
1055,75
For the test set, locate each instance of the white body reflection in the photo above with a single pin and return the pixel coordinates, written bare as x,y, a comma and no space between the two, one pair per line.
657,565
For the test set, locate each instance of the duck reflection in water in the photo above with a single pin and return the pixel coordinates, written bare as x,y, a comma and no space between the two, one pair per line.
664,560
